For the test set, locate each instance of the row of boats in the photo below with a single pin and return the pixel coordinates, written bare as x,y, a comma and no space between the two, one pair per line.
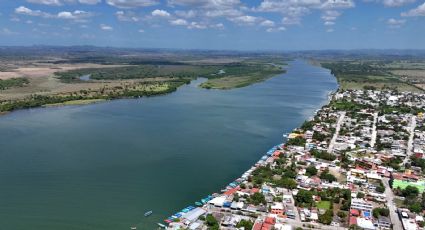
231,185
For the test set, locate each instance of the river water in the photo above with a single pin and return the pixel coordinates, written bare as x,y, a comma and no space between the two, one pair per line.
102,166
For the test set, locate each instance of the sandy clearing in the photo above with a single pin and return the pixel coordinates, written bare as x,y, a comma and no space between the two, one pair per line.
47,70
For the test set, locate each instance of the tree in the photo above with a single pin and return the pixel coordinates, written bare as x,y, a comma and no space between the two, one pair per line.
360,195
327,217
380,212
410,191
342,214
287,183
380,189
212,223
304,197
416,207
247,224
311,170
257,198
325,175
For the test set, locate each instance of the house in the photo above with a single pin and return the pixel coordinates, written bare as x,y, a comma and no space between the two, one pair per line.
361,205
384,222
277,208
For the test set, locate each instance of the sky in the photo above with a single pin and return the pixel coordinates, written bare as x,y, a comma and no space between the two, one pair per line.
216,24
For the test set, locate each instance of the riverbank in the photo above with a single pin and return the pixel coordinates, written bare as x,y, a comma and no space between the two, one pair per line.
199,208
104,165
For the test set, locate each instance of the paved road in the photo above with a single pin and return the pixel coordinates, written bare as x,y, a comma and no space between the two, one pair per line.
391,206
373,138
338,127
409,150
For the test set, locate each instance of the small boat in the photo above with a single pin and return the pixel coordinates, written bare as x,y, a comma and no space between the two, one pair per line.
197,203
161,225
148,213
133,228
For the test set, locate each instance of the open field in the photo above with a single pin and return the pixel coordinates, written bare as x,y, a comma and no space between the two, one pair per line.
44,77
393,75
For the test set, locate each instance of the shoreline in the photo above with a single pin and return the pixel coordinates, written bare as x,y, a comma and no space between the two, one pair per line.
269,155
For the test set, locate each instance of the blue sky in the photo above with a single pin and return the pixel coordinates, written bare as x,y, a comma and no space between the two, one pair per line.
216,24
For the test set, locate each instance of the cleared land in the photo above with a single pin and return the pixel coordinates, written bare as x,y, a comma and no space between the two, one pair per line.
376,75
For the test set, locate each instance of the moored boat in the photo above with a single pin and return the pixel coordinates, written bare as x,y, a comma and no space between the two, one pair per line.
148,213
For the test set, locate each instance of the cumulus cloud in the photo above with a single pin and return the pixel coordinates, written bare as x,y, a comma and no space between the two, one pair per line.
294,10
395,23
267,23
186,14
270,30
197,25
106,27
178,22
416,12
77,15
127,16
62,2
245,19
132,3
160,13
392,3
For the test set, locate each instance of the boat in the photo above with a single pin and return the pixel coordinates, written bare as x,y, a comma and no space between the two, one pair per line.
133,228
148,213
161,225
197,203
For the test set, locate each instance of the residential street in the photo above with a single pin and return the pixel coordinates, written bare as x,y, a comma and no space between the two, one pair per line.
373,138
409,150
338,127
390,203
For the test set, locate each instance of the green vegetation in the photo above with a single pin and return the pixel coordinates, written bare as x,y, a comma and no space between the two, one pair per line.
324,204
327,217
311,170
377,212
367,74
13,82
323,155
126,91
241,75
256,199
304,198
212,222
247,224
224,76
298,141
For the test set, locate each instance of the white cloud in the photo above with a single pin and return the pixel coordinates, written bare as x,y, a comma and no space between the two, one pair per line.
77,15
6,31
245,19
36,13
141,31
106,27
90,2
178,22
186,14
395,23
267,23
62,2
294,10
127,16
392,3
196,25
418,11
160,13
270,30
132,3
46,2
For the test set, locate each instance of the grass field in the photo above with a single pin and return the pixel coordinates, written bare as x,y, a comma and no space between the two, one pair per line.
323,204
403,184
375,75
76,102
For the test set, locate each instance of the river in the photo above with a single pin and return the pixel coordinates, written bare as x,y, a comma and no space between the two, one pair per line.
102,166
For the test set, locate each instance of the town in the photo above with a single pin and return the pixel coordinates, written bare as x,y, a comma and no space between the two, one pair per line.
357,164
